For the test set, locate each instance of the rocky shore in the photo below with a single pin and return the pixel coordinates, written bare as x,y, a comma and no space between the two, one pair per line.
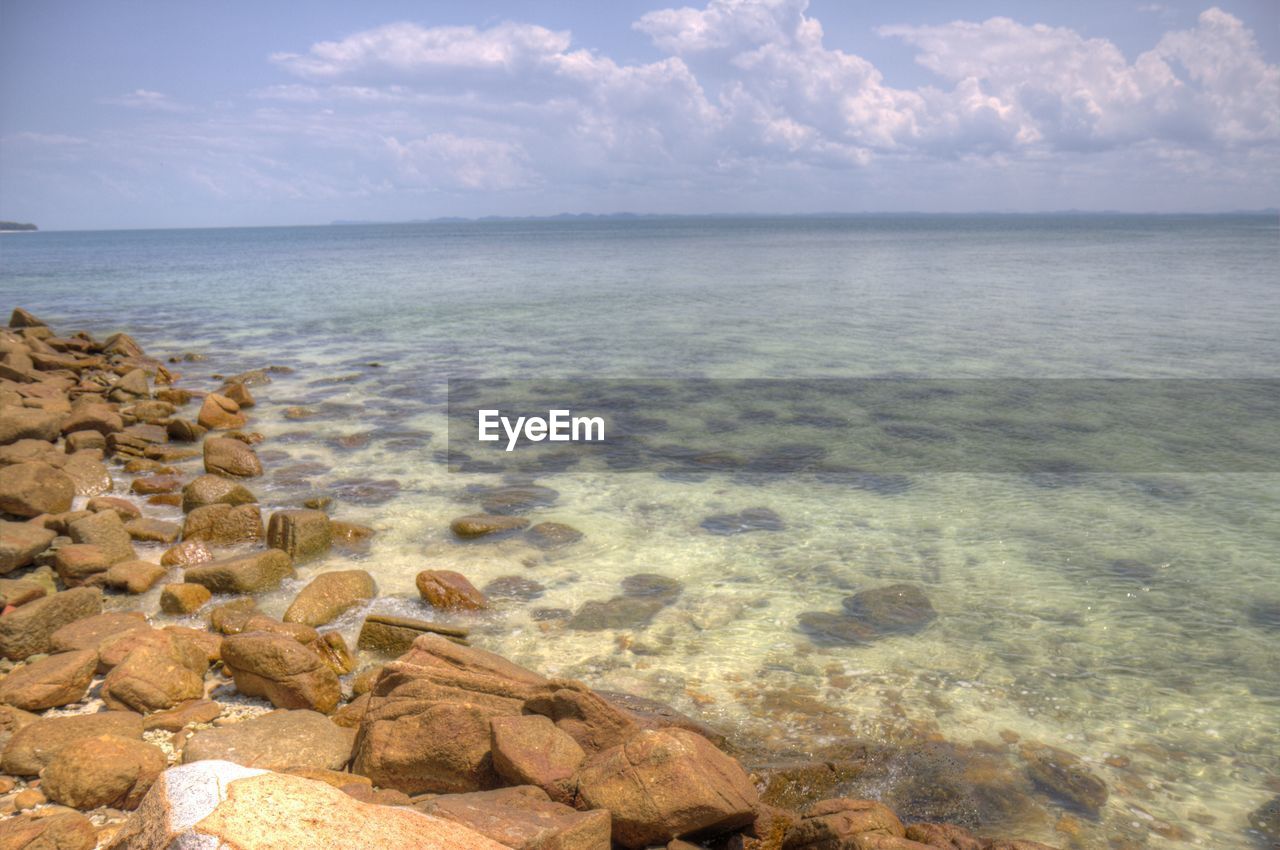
254,732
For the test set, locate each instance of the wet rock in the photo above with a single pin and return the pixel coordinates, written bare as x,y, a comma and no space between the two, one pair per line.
230,457
160,672
32,747
620,612
277,740
751,519
1132,569
64,830
281,670
251,573
20,542
944,835
485,525
78,441
516,499
214,490
662,785
1066,777
79,564
239,393
219,413
531,750
28,423
188,553
391,635
329,595
831,823
895,609
552,535
366,491
26,631
449,591
52,681
304,534
34,488
93,416
106,770
652,585
224,803
230,618
149,530
134,576
123,508
107,532
514,587
652,714
224,525
1266,819
87,473
523,818
185,431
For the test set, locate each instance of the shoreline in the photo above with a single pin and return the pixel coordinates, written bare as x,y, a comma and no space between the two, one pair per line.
160,448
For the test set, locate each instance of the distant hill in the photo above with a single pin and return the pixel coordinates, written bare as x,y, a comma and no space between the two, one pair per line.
15,225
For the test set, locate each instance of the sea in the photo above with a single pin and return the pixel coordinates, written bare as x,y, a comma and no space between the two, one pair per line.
1125,613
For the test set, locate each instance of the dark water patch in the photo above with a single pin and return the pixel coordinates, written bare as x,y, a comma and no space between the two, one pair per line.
366,491
790,458
511,499
652,585
337,380
514,587
620,612
1265,614
751,519
818,420
827,629
680,476
1164,489
553,535
917,432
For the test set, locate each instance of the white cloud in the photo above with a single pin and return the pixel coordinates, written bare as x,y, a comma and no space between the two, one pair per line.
448,162
146,99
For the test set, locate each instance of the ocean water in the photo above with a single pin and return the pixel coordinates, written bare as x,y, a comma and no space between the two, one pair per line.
1132,619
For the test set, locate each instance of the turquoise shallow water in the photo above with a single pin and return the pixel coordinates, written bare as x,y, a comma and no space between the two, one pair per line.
1128,618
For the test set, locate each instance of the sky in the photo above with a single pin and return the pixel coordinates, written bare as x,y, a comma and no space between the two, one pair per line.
169,113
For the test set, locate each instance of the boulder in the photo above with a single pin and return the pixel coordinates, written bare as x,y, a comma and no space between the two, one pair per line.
523,818
87,473
80,563
34,488
93,416
106,770
28,423
20,542
228,456
329,595
125,509
160,483
220,804
303,534
106,531
442,748
215,490
476,526
183,715
188,553
277,740
20,591
184,430
134,576
239,393
32,747
224,525
836,822
148,530
132,383
251,573
183,598
529,749
78,441
945,835
449,591
219,413
27,450
21,318
281,670
48,830
391,635
26,631
92,632
666,784
162,671
50,682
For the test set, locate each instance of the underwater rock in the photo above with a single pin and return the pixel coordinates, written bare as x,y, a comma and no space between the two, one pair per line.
552,535
751,519
473,526
895,609
828,628
620,612
366,491
1066,777
514,587
652,585
1266,819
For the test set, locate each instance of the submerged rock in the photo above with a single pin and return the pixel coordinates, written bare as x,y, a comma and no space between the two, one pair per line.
552,535
895,609
475,526
652,585
751,519
1066,777
515,499
514,587
620,612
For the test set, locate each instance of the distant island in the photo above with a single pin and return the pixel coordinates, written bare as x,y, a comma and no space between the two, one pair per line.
16,225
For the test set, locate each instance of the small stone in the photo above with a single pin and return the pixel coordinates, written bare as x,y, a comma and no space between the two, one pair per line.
125,509
514,587
214,490
227,456
304,534
20,543
80,563
251,573
188,553
219,413
106,531
486,525
134,576
449,590
329,595
183,598
224,525
149,530
155,484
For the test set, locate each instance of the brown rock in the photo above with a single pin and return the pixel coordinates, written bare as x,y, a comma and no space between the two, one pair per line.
107,532
26,630
93,416
86,440
227,456
552,535
219,413
350,535
34,488
281,670
529,750
303,534
134,576
239,393
87,473
125,509
61,830
391,635
277,740
132,383
32,747
188,553
50,682
449,590
944,835
251,573
27,423
91,632
20,542
183,598
160,672
486,525
223,525
153,484
150,530
827,823
185,431
1066,777
215,490
523,818
185,714
665,784
444,748
106,770
15,592
80,563
329,595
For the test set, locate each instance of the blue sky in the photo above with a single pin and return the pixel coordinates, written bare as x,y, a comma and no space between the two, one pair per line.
167,114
